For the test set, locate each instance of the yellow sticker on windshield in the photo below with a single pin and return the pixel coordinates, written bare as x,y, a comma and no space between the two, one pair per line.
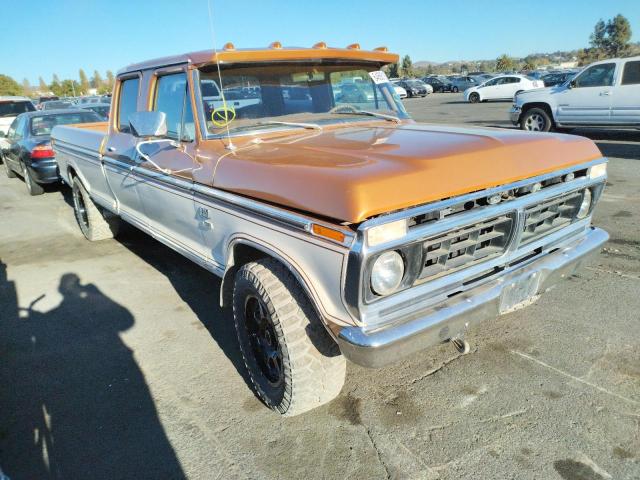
223,116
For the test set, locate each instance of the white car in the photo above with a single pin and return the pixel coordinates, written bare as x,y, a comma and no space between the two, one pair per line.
503,87
604,94
402,93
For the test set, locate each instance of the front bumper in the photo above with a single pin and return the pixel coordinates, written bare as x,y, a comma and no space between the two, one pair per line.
514,115
44,170
452,317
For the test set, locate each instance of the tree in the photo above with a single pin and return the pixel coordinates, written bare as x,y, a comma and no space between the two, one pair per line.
55,86
504,63
393,71
69,88
8,86
26,86
84,81
110,81
96,80
618,35
407,66
42,86
598,38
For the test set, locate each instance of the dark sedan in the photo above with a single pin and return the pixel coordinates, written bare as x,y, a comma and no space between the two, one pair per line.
439,84
102,109
414,88
554,79
28,151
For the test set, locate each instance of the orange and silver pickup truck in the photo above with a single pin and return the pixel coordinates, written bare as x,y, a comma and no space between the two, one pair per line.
341,228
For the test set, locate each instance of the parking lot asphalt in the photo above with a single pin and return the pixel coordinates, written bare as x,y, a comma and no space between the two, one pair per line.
116,362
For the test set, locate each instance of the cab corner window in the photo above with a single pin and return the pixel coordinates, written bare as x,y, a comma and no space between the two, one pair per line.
172,99
631,74
127,102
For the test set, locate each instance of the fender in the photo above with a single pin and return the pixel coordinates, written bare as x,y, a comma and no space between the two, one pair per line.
230,269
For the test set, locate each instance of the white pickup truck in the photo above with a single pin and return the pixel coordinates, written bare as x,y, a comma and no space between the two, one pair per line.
604,94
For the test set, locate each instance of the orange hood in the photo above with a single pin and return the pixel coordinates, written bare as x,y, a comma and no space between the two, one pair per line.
353,173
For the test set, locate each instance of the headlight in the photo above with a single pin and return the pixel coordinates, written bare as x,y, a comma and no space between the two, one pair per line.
599,170
585,206
387,273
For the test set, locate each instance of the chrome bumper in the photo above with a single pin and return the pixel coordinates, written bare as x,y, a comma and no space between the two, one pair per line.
452,317
514,115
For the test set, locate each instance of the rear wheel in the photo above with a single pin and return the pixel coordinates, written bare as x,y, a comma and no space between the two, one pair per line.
7,169
454,89
293,363
94,224
474,97
536,120
33,187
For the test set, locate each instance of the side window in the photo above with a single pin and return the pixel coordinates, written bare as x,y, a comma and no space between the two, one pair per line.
19,131
11,133
491,83
596,76
172,99
631,73
515,79
127,103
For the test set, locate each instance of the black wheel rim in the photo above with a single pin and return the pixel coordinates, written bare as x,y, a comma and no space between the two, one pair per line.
81,209
263,340
27,177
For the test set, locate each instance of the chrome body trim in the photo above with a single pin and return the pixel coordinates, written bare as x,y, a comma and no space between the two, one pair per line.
372,315
431,325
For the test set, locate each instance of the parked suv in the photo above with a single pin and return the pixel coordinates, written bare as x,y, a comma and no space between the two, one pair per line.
460,84
10,108
604,94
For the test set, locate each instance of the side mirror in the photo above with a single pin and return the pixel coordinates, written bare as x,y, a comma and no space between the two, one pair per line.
148,124
571,84
2,134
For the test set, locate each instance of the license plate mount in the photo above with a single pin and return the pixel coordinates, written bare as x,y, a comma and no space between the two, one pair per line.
520,293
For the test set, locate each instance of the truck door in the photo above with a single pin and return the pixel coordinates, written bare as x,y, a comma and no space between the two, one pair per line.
119,159
588,100
166,189
625,98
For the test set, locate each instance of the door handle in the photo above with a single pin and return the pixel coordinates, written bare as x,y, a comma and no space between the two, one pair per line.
605,94
111,149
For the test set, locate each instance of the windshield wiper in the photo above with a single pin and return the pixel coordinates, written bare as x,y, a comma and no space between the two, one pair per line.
390,118
312,126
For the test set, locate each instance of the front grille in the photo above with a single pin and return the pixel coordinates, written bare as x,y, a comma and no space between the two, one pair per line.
546,217
465,246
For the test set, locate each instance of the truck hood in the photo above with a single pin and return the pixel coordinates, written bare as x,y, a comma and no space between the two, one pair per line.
353,173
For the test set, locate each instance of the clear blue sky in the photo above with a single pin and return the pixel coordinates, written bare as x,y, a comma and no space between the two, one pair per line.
61,36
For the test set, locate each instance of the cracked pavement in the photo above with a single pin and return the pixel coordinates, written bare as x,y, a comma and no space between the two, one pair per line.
126,357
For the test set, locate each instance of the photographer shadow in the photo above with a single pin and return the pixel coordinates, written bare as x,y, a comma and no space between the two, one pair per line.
74,402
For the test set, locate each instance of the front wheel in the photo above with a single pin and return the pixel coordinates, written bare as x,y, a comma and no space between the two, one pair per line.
474,97
7,169
454,89
293,363
536,120
94,224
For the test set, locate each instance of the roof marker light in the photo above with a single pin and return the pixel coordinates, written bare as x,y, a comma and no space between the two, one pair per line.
229,46
381,49
275,45
320,45
353,46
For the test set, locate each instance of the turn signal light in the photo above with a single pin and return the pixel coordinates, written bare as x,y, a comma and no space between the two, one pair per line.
329,233
42,151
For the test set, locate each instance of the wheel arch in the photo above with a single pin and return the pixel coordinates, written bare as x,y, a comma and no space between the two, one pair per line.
543,105
242,250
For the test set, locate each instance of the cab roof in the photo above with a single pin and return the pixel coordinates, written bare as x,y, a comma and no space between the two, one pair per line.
275,52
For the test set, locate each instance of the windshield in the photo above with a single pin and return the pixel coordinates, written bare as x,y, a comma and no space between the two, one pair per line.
44,124
263,95
13,109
